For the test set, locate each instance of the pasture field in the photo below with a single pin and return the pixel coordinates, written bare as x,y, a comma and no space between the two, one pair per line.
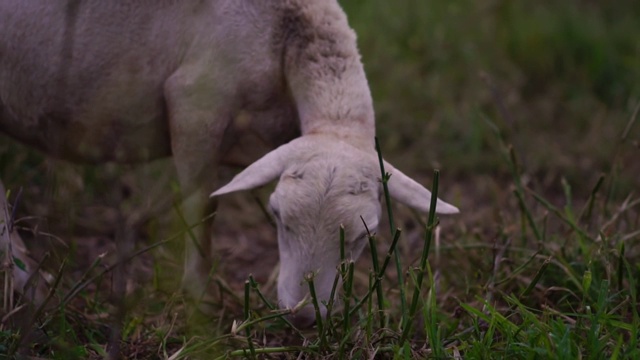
529,110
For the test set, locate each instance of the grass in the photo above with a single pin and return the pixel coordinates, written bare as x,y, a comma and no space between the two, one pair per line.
530,111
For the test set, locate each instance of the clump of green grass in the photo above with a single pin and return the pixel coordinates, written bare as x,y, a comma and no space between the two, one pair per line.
541,301
551,280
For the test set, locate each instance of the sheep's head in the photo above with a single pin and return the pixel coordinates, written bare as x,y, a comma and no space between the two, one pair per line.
324,184
311,201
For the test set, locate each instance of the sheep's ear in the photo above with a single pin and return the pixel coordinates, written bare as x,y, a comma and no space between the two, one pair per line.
264,170
412,194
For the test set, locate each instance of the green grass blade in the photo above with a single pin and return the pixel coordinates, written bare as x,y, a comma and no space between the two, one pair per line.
387,197
431,224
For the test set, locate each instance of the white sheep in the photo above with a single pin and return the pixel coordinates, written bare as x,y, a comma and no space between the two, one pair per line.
96,81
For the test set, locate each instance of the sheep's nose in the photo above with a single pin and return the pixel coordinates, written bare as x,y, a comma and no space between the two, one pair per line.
303,318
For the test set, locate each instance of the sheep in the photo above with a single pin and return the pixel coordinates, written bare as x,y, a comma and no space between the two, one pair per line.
129,82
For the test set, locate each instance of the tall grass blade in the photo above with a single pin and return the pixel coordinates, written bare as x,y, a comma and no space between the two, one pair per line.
431,224
587,211
620,267
387,197
346,320
560,215
343,260
385,263
536,278
376,271
527,213
247,317
334,288
431,320
314,300
269,305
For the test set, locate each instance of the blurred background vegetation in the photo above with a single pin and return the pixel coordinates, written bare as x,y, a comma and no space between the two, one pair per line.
560,78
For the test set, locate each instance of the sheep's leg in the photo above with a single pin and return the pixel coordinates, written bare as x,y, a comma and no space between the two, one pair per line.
196,130
197,237
196,182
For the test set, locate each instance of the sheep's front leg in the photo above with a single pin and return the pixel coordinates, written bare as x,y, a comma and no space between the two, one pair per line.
196,128
196,209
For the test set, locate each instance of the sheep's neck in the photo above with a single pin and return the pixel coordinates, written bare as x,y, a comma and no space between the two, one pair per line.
325,75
